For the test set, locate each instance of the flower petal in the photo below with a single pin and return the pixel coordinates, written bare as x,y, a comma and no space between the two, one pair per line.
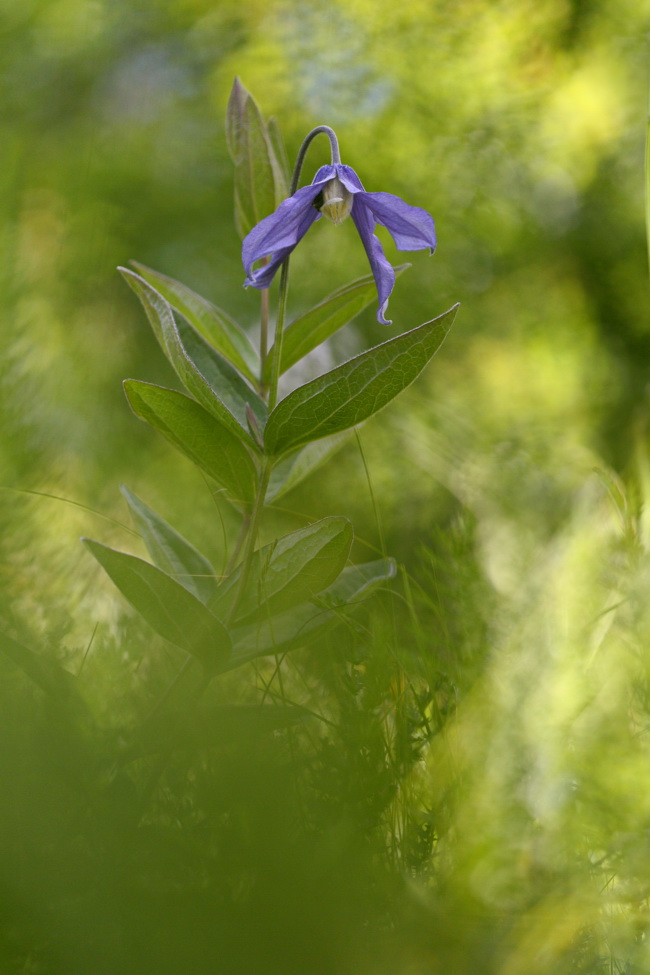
263,276
349,178
411,228
280,231
383,272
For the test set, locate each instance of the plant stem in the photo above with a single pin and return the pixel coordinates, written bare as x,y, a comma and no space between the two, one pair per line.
264,336
279,335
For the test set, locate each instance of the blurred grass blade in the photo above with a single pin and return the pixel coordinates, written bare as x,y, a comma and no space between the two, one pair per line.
289,570
352,392
304,623
197,434
168,607
221,331
324,319
170,551
205,374
295,467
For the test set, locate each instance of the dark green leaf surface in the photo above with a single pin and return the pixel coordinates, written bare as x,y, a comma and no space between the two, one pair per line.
204,373
355,390
299,464
221,331
289,570
168,607
197,434
306,622
170,551
326,318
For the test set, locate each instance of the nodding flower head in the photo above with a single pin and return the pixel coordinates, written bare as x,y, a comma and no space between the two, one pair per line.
336,191
334,200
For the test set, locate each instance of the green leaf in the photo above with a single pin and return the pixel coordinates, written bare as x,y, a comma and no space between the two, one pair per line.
282,178
218,328
289,570
168,607
46,673
322,321
204,373
355,390
170,551
259,177
197,434
305,623
234,120
296,466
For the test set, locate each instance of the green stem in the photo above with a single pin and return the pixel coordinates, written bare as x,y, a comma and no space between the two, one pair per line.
264,336
279,335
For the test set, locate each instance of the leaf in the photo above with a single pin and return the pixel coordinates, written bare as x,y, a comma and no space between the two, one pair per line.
170,551
46,673
204,373
296,466
318,324
168,607
281,158
234,120
259,178
197,434
305,623
221,331
289,570
355,390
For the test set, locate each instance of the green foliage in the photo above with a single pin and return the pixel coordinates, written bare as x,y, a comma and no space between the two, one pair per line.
167,606
448,775
205,374
170,551
298,464
216,327
197,434
355,390
321,322
258,155
287,571
309,621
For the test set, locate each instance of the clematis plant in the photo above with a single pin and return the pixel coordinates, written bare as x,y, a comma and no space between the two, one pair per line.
253,448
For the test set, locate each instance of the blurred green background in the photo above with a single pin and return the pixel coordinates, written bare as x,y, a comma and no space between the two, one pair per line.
521,128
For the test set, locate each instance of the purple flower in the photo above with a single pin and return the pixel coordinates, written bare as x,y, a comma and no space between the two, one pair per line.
336,192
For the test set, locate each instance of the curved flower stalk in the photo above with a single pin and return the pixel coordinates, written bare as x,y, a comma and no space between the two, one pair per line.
337,191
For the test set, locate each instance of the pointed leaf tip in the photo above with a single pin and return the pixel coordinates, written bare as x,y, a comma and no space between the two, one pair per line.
170,609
